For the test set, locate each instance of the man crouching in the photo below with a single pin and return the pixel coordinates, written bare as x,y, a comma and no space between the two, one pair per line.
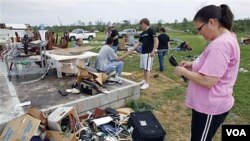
107,60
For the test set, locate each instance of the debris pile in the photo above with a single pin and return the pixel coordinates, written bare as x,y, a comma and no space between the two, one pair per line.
64,124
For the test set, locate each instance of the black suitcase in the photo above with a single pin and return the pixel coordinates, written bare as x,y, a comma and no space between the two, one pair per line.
145,127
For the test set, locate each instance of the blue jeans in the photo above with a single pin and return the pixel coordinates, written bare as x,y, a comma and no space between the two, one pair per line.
118,66
161,54
115,48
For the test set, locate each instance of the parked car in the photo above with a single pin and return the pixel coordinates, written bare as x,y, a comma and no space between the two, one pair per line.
186,31
129,31
80,33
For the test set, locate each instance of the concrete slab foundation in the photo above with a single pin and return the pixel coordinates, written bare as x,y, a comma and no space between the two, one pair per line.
43,94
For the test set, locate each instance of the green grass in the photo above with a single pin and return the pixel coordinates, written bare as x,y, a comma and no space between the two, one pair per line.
240,113
241,89
168,104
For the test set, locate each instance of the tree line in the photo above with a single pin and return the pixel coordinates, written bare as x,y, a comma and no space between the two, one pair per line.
241,25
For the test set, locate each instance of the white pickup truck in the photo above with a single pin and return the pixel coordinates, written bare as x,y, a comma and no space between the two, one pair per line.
131,31
80,33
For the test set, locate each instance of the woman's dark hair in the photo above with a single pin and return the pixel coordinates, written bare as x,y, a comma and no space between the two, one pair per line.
162,29
222,13
109,41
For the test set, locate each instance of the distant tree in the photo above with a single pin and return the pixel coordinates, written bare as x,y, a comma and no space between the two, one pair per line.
108,23
100,25
89,23
184,23
239,26
159,25
83,24
79,22
126,22
175,23
242,25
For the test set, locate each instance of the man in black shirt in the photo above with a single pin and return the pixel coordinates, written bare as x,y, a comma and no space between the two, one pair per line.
149,42
163,47
114,36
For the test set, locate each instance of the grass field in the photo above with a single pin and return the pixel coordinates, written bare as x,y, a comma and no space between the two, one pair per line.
167,92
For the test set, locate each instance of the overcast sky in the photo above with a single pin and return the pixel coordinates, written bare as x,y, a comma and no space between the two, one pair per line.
46,12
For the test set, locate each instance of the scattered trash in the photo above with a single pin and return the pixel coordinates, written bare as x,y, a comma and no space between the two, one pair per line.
85,42
73,91
64,119
125,111
60,136
89,87
24,104
101,121
126,74
184,46
243,70
156,76
105,91
62,92
190,57
63,124
34,112
245,41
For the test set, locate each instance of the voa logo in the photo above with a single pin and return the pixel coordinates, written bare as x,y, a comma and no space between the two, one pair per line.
236,132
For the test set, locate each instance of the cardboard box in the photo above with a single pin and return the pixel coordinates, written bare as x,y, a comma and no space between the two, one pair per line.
69,113
34,112
22,128
60,136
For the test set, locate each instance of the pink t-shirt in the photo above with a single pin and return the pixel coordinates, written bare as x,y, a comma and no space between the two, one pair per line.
220,59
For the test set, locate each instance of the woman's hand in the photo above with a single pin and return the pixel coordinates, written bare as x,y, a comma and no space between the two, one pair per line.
186,64
179,71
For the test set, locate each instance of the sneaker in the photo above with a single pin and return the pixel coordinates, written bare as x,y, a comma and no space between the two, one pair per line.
112,74
144,86
142,82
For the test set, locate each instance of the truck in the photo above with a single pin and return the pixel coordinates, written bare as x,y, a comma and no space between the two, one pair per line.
131,31
83,34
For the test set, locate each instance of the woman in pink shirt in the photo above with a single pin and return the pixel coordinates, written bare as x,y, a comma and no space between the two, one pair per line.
213,74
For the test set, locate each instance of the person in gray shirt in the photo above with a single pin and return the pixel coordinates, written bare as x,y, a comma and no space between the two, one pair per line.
107,60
